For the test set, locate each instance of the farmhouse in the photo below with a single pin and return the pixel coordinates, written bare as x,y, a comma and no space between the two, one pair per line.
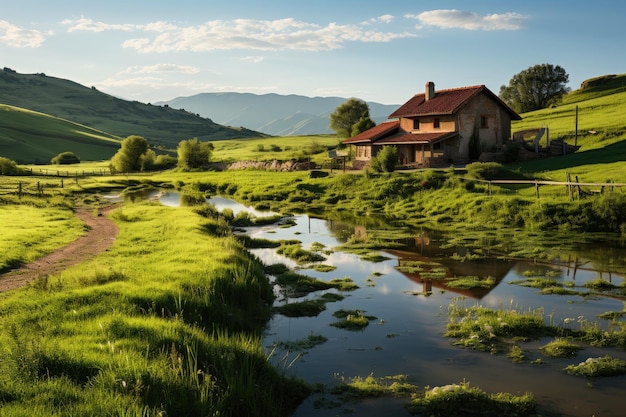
439,128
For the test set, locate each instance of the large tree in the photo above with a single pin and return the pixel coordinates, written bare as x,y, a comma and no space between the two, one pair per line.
131,155
535,88
193,154
351,118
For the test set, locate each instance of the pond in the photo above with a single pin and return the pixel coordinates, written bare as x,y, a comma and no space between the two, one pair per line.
407,335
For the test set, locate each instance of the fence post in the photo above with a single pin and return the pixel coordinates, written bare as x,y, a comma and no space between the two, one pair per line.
537,189
19,190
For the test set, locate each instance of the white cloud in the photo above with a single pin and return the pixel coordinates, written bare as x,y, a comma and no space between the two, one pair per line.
17,37
162,68
387,18
264,35
253,59
89,25
457,19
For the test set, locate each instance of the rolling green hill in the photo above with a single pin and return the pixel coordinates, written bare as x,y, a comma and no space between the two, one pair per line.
601,106
160,125
601,103
27,136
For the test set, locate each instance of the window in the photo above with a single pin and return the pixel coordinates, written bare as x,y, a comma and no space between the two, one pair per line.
416,124
436,123
483,122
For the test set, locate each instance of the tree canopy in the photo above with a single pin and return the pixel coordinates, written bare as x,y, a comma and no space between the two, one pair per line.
535,88
130,157
65,158
351,118
193,154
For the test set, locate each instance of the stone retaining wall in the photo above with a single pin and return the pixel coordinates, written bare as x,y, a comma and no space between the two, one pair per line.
274,165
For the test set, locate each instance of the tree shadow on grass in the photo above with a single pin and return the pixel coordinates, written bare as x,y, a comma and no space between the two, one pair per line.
615,152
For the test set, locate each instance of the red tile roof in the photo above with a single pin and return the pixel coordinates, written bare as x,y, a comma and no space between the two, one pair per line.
416,138
446,102
369,136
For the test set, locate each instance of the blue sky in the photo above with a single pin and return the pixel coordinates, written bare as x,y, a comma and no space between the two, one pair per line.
383,51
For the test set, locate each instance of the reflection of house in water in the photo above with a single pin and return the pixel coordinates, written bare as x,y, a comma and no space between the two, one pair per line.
426,250
482,268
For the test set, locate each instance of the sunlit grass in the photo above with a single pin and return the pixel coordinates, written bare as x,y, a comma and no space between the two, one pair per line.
132,318
29,232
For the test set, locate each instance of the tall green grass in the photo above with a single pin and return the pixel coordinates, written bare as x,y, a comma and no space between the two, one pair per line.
168,320
28,233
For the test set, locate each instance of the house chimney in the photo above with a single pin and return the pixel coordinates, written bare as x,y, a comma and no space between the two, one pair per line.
430,90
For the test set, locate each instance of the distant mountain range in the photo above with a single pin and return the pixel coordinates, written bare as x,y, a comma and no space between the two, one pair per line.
272,114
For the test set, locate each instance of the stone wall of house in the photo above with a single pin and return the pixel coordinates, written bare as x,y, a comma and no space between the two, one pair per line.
493,135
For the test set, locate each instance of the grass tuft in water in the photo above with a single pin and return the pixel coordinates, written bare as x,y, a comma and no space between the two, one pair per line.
560,348
307,343
371,387
516,354
352,320
307,308
596,367
471,282
462,400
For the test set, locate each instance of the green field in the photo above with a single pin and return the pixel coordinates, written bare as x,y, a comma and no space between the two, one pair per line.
168,321
28,136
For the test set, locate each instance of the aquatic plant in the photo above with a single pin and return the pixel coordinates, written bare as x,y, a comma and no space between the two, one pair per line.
461,400
599,284
481,328
372,387
307,343
323,267
596,367
471,282
307,308
560,348
298,254
516,354
352,320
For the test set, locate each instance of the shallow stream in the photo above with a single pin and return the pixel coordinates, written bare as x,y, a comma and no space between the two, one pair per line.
411,314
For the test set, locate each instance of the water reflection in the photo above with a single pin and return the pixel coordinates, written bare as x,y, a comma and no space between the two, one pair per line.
407,336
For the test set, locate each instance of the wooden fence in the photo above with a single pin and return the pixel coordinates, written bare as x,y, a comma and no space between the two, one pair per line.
574,188
47,172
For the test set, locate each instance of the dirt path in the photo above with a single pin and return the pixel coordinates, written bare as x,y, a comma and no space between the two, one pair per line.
100,236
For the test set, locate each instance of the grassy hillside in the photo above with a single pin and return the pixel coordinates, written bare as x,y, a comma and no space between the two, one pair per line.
162,126
30,137
601,106
314,147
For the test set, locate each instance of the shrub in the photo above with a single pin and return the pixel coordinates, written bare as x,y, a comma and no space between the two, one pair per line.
9,167
65,158
386,160
485,170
